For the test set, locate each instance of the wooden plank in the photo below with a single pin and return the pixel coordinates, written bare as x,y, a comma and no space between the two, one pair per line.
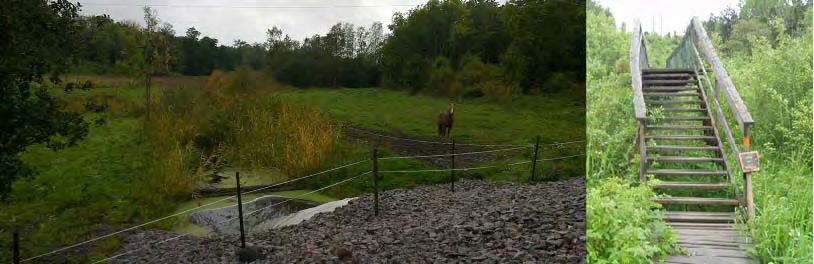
684,118
636,62
667,148
682,138
697,200
678,127
686,172
677,159
690,185
676,94
675,102
684,110
725,84
668,70
668,82
667,76
670,88
700,217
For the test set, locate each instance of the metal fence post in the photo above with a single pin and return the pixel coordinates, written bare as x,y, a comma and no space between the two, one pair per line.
452,171
534,159
15,249
376,181
240,211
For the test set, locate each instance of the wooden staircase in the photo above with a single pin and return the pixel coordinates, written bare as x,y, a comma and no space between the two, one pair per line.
681,127
684,152
681,142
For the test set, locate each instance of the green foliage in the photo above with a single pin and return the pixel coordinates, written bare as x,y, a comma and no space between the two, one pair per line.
77,189
37,36
623,224
775,84
519,43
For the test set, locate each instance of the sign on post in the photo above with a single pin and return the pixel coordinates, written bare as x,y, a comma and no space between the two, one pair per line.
750,161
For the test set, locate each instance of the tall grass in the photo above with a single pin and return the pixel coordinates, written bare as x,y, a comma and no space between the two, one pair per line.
233,120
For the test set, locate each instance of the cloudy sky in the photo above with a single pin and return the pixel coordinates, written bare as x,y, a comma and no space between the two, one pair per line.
664,16
248,20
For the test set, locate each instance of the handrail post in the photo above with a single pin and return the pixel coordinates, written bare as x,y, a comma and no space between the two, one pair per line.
642,152
747,179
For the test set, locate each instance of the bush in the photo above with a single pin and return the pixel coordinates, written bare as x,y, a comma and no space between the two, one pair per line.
624,225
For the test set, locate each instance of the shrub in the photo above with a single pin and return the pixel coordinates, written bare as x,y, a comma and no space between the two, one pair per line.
623,224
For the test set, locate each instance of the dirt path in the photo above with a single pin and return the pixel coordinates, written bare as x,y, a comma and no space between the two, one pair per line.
404,145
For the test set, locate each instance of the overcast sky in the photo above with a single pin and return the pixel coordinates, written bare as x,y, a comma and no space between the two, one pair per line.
664,15
248,20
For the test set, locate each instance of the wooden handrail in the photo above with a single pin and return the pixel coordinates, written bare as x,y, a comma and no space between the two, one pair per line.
723,81
638,62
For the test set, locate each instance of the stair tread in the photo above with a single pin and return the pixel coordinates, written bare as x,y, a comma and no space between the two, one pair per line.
668,70
656,94
656,88
685,159
667,75
678,127
678,137
688,118
674,101
689,185
668,82
699,217
683,109
697,200
671,148
687,172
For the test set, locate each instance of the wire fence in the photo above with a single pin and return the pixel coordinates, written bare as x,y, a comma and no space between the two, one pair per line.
374,171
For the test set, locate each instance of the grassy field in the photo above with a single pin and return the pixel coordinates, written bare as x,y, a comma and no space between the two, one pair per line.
554,119
127,171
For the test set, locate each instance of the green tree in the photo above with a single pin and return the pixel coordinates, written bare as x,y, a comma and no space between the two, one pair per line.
39,38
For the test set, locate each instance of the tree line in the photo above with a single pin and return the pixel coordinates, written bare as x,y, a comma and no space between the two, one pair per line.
450,48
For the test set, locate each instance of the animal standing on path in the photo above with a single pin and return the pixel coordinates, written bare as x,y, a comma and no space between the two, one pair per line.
445,122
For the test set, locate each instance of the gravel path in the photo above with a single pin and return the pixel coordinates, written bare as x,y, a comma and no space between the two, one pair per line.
484,222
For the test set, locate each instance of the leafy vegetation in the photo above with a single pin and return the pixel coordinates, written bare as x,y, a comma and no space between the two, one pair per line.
773,75
623,223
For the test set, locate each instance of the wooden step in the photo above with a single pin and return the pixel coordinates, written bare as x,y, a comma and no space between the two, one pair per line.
667,82
699,217
667,76
674,102
685,172
690,185
668,71
677,127
658,89
684,110
682,118
697,201
681,138
670,148
676,159
676,94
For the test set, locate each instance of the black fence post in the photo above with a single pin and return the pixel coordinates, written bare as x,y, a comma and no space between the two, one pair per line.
534,159
240,211
15,248
452,171
376,181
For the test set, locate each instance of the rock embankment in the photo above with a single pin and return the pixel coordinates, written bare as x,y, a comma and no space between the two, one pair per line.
492,222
